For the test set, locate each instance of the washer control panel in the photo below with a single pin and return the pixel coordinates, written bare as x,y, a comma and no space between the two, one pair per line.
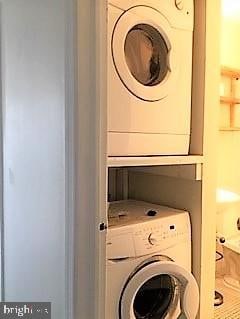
159,236
138,228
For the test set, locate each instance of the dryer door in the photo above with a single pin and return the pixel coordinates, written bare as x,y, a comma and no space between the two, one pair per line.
160,290
143,53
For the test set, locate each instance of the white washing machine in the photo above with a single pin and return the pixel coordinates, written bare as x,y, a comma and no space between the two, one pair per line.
149,76
149,263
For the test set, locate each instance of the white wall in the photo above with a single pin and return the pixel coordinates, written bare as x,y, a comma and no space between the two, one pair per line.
35,105
229,141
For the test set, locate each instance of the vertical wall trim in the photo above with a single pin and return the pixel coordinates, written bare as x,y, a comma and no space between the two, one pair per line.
90,160
70,77
198,78
101,136
211,111
1,159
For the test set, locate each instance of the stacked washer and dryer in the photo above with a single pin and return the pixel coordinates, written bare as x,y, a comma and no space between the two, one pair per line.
149,113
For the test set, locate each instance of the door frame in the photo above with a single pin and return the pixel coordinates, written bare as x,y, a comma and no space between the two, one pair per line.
90,169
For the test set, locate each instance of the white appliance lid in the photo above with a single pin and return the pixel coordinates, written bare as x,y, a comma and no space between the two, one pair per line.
127,212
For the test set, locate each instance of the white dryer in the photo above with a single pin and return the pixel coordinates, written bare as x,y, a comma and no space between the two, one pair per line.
149,263
149,76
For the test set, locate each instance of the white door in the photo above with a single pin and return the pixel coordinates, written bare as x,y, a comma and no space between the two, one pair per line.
143,54
47,161
161,289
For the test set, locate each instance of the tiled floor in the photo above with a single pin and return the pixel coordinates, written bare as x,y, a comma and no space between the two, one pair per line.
230,309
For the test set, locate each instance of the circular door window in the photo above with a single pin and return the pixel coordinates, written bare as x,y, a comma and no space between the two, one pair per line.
159,290
155,297
146,54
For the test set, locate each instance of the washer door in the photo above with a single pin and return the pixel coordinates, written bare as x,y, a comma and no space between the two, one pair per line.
143,53
156,290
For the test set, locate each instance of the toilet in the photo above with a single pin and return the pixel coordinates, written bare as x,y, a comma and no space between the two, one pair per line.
231,251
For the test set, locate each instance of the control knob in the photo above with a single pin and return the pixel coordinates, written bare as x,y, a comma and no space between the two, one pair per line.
152,239
179,4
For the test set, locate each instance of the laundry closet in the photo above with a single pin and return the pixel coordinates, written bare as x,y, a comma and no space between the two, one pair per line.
184,180
177,174
58,179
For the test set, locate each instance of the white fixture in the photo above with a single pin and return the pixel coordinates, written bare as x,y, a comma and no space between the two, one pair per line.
226,225
231,9
231,250
226,196
149,263
149,77
227,212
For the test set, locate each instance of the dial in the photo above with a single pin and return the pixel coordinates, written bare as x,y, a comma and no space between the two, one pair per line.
179,4
152,239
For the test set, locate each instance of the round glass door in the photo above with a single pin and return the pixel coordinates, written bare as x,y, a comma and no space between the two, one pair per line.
155,297
146,54
159,290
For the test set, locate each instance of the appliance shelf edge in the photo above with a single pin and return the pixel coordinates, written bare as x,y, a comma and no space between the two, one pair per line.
154,160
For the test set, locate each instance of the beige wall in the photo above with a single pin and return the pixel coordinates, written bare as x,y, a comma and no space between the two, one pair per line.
229,142
230,44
